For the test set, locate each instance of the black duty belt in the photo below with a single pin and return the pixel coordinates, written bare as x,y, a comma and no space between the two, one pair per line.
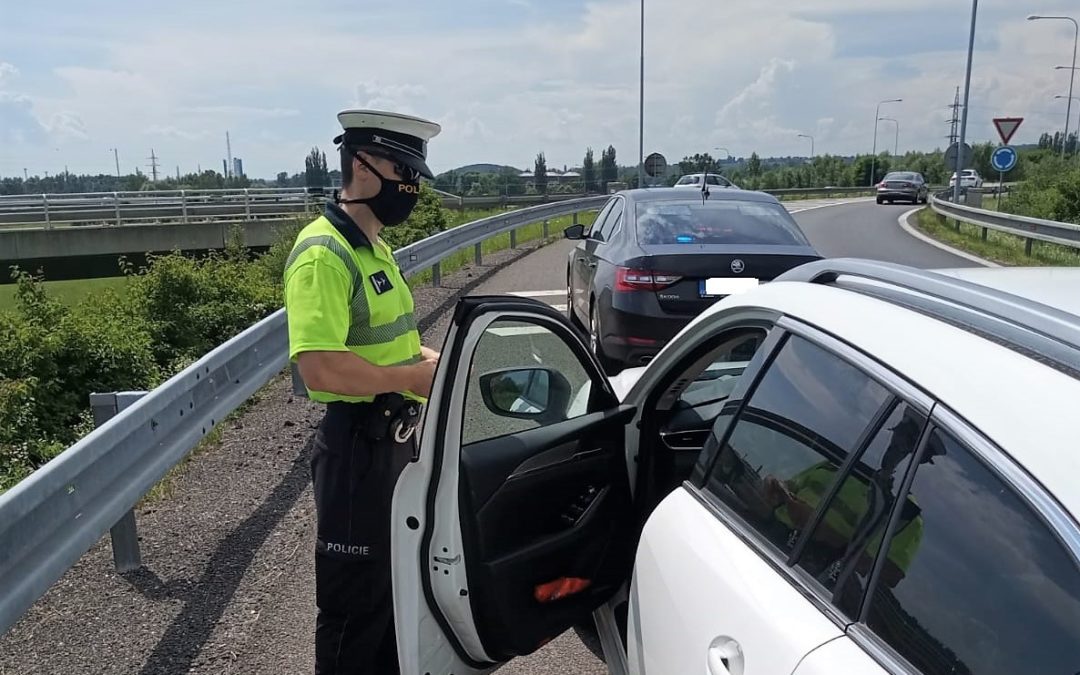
388,416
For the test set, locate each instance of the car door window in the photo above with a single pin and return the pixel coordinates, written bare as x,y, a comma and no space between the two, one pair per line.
840,550
985,586
523,375
600,218
614,219
726,364
806,415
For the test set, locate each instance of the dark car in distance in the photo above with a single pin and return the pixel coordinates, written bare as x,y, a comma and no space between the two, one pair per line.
654,259
908,186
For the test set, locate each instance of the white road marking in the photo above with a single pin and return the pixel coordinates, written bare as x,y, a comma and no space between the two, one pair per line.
905,224
561,308
537,294
514,331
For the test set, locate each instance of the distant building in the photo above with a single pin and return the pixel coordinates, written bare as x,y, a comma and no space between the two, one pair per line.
238,167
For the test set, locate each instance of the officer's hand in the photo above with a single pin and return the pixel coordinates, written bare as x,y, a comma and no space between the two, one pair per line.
423,377
428,353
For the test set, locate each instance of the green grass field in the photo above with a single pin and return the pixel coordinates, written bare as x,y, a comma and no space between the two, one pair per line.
68,292
1000,247
528,233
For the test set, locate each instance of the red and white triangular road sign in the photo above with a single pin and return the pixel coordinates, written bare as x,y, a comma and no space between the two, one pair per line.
1006,127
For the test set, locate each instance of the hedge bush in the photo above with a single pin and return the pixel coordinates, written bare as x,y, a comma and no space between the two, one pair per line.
175,309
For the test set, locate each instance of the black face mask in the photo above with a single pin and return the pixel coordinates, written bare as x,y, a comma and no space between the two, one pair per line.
395,201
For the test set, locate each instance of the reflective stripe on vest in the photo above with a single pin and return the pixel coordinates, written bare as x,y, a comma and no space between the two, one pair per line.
394,341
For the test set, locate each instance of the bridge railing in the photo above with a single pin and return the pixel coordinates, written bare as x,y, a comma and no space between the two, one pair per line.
187,206
50,519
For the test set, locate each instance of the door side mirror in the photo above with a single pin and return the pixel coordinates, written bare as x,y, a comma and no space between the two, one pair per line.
574,232
540,394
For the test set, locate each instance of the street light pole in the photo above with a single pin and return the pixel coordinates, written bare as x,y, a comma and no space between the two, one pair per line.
896,141
1072,74
877,116
967,94
116,156
641,104
1074,98
811,143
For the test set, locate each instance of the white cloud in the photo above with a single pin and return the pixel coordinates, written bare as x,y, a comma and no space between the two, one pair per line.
504,88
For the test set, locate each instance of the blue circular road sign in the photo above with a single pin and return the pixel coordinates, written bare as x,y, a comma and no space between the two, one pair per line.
1004,158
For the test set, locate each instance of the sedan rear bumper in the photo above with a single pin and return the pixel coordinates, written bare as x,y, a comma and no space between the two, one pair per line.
633,327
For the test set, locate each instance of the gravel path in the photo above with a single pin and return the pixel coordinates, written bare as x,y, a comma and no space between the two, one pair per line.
227,584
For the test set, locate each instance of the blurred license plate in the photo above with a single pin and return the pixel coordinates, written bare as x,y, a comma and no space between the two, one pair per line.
711,288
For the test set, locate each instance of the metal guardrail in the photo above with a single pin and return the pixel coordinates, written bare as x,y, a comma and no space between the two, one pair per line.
1031,229
50,519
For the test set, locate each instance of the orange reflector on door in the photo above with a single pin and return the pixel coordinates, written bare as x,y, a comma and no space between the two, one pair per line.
560,588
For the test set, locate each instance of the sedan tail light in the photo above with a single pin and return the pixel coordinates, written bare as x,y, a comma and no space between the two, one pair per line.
629,279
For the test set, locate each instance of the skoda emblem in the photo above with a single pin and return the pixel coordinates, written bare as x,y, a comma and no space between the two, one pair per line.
737,266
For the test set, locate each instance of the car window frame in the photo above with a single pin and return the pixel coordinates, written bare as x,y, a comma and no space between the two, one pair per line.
1051,513
615,219
601,218
1024,487
902,392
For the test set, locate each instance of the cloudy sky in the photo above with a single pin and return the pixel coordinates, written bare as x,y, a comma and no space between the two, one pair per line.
509,78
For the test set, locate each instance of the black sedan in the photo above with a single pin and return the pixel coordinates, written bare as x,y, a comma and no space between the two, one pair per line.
654,259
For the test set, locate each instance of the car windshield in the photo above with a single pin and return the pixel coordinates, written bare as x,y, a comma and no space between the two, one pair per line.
900,176
720,222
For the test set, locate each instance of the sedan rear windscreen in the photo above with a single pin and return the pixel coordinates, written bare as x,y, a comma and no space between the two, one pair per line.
719,223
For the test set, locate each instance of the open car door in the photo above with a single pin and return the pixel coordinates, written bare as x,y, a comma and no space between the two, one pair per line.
515,522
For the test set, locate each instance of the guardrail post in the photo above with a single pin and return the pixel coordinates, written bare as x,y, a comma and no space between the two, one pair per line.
45,201
478,254
984,231
298,387
513,238
546,232
247,204
116,204
1027,246
436,274
124,534
575,219
183,206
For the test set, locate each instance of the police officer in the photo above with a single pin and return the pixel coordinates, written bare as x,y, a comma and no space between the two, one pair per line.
353,336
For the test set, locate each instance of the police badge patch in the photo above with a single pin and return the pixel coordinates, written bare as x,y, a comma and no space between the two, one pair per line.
381,283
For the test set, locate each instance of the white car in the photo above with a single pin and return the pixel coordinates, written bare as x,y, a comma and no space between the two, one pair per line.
969,178
693,181
859,468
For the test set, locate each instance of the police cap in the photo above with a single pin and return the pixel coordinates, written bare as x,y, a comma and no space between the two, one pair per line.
403,137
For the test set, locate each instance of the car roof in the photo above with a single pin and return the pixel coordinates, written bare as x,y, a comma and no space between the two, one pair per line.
1021,404
1052,286
643,195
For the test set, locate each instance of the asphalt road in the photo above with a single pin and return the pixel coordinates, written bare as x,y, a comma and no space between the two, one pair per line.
227,584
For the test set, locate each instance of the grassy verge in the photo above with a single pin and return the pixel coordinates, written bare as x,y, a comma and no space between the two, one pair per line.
69,293
1000,247
528,233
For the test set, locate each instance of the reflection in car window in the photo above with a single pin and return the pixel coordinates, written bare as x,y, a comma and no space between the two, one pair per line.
841,549
900,176
805,417
512,344
719,378
721,221
613,219
989,589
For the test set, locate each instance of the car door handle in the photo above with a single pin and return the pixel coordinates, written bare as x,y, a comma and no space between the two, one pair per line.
725,657
590,263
